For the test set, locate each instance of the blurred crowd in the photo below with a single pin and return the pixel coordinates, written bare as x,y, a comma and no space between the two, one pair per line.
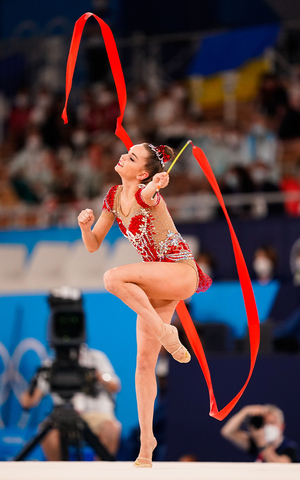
48,164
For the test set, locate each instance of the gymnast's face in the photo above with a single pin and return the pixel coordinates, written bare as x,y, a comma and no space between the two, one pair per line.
131,165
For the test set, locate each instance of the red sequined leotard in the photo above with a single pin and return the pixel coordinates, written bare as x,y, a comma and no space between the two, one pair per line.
151,231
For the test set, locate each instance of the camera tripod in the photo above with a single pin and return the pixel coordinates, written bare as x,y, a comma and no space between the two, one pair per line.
73,430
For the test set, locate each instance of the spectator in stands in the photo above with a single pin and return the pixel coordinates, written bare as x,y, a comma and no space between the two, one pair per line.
90,177
63,190
260,173
54,132
274,102
294,90
260,143
168,117
291,184
41,107
101,111
8,196
30,173
237,181
19,117
289,123
272,95
217,149
264,264
263,438
97,411
166,110
79,141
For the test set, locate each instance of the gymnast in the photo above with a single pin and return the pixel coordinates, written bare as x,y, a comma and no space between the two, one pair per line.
152,289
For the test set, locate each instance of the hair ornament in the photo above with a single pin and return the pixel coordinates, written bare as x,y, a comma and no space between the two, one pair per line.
160,153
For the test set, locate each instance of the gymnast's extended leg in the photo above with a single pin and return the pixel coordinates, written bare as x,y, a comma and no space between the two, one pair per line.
148,348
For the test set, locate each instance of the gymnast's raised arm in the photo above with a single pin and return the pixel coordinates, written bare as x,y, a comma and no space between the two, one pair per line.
92,239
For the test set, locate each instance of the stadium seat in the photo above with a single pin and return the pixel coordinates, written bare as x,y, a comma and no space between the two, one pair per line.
46,265
12,261
123,254
83,269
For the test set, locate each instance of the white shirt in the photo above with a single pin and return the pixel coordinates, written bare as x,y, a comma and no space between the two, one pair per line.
104,402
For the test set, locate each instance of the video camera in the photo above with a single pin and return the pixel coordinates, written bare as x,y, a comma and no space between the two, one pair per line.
66,332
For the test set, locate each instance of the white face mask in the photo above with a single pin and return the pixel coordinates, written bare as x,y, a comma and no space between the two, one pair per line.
79,138
105,98
272,432
44,100
232,140
263,266
178,92
258,129
259,175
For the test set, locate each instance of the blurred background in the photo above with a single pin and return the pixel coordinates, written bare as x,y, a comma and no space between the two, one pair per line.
223,73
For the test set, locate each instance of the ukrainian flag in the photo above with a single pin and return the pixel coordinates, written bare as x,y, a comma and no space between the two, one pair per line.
241,52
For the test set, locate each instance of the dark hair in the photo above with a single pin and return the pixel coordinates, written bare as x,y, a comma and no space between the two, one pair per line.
153,164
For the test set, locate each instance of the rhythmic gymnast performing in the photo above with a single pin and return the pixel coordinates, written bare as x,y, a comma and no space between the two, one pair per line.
153,288
169,274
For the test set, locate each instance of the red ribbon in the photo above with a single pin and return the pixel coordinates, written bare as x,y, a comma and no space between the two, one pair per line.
249,300
115,64
188,325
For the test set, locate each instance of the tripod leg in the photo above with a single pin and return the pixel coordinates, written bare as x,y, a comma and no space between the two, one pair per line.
79,450
32,443
64,446
95,443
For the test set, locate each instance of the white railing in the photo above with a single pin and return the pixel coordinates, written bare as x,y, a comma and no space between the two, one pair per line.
199,207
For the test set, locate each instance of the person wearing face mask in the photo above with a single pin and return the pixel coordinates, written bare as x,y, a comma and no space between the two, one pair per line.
237,180
30,175
263,438
261,175
264,263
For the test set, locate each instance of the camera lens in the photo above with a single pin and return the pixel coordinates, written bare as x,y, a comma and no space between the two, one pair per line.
257,421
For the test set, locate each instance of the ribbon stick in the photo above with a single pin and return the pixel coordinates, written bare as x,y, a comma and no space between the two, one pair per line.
248,295
177,156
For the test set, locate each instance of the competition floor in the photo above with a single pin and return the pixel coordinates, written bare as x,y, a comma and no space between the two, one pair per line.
160,471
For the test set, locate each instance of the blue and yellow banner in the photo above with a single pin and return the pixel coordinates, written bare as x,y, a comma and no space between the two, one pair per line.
241,51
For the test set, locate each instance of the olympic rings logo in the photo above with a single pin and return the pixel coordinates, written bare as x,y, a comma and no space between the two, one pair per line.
11,377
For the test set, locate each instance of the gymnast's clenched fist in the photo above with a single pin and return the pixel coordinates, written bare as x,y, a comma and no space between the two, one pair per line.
86,219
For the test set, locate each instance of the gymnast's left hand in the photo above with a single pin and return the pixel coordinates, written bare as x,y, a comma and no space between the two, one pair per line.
161,180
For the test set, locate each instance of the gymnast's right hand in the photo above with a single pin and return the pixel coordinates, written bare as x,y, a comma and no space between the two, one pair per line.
86,219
